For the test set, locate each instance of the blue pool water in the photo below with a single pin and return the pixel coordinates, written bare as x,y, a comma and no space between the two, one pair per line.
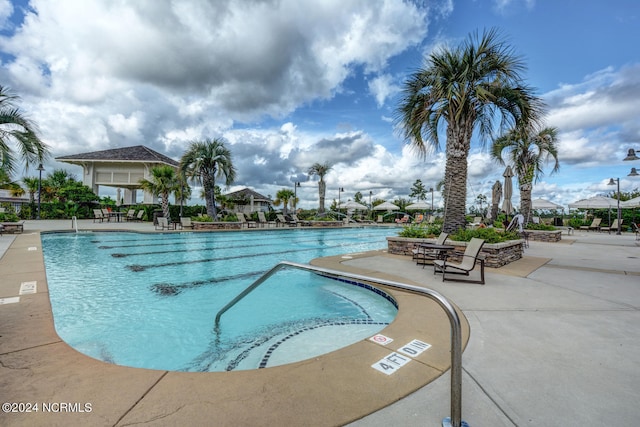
150,300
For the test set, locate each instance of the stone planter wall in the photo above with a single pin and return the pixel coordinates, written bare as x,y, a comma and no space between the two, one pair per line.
545,236
496,254
197,225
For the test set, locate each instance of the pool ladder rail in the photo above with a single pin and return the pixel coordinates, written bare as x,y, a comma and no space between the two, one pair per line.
455,420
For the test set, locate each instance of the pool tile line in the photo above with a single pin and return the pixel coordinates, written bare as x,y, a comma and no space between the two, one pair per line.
138,267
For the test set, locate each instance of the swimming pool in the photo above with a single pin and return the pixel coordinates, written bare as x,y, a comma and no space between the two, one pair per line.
149,300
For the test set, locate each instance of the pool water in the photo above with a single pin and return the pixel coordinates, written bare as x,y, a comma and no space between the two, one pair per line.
150,300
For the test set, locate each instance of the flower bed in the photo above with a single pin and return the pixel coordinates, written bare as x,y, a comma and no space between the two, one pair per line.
496,254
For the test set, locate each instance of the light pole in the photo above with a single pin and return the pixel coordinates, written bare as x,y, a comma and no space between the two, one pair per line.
631,155
613,182
340,190
40,169
295,196
431,191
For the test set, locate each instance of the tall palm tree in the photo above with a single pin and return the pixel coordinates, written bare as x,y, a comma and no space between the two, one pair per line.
284,196
464,88
205,161
163,182
320,169
527,150
16,127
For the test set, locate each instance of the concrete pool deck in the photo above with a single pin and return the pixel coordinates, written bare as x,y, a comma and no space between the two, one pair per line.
554,341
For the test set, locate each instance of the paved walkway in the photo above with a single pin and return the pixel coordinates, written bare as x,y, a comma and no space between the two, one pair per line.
554,338
559,346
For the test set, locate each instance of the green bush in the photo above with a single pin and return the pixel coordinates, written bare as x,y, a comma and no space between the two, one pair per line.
203,218
489,235
9,217
540,226
420,231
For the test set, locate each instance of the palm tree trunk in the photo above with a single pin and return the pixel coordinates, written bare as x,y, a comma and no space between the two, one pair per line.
209,185
456,177
165,205
322,189
525,202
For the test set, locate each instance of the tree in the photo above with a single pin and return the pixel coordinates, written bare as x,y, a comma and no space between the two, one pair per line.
358,198
32,187
320,169
464,88
163,182
284,196
205,161
418,190
16,127
527,150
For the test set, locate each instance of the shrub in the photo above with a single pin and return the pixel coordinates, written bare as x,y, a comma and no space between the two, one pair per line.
8,217
489,235
540,226
203,218
420,231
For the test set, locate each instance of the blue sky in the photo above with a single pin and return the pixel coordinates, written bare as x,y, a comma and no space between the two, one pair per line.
291,83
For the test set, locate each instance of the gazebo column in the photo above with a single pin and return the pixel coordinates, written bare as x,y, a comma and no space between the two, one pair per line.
129,196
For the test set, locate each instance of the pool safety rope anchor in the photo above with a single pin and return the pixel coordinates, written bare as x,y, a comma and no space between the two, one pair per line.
455,420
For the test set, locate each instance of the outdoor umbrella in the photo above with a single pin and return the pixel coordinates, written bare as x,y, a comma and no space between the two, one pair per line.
419,206
386,206
544,204
633,203
352,205
597,202
507,207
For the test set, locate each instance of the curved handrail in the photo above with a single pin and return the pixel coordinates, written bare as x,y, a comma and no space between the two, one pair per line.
456,331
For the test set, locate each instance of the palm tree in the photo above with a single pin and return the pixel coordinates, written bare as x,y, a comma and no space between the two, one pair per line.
182,192
205,161
320,169
32,187
527,151
16,127
163,182
284,196
464,88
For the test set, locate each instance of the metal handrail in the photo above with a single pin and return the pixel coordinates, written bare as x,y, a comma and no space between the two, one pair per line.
456,331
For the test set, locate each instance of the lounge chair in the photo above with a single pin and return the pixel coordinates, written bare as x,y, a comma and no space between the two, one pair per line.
263,221
380,219
185,222
243,221
298,221
613,226
139,215
106,214
419,219
131,215
424,253
97,214
595,225
636,230
403,220
469,259
283,220
163,223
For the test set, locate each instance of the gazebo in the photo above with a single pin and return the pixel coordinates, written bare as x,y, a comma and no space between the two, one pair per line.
248,201
119,168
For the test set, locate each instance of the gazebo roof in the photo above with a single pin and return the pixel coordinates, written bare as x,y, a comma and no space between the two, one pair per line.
138,153
245,194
